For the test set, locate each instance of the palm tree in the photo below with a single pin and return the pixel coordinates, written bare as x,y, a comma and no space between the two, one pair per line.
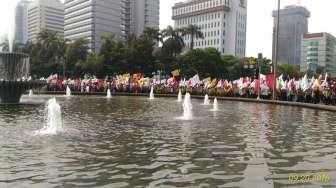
194,32
174,42
53,44
153,34
52,48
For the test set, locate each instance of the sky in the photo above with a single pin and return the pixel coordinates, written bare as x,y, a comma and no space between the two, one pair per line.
259,20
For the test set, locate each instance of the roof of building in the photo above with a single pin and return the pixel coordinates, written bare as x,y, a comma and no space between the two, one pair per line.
292,10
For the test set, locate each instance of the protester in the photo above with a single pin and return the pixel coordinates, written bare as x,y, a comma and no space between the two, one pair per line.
302,90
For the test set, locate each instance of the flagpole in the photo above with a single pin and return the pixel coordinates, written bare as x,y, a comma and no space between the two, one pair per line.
275,63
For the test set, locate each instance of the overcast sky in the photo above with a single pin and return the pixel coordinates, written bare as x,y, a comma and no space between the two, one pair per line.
259,20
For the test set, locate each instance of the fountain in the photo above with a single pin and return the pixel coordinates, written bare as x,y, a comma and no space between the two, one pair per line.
14,74
187,108
31,93
179,97
108,93
151,95
215,105
68,92
54,119
14,71
206,100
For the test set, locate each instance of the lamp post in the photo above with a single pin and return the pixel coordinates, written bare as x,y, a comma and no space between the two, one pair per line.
275,63
259,60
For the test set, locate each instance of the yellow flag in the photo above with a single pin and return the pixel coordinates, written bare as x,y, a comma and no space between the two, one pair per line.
213,83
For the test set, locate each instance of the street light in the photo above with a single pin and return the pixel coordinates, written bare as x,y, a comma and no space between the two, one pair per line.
275,63
259,60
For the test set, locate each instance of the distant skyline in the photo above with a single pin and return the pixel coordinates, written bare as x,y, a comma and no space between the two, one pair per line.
259,20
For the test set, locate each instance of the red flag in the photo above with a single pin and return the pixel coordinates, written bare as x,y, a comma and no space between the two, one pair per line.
269,80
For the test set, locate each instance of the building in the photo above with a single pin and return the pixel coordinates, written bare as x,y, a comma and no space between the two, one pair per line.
292,26
21,21
141,14
45,15
223,23
92,19
318,53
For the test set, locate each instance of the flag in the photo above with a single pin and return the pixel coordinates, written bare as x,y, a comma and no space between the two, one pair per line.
172,82
219,84
183,83
213,83
269,80
206,82
193,81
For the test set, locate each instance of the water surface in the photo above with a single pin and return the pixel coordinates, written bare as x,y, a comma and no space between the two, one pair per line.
137,142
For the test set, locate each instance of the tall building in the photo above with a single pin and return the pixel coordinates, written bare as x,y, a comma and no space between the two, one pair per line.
292,26
45,15
140,14
91,19
223,23
21,21
318,53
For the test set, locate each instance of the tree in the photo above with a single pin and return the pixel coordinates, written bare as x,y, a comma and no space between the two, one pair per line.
194,32
76,52
174,43
53,45
153,34
93,65
291,71
204,62
47,53
234,67
112,52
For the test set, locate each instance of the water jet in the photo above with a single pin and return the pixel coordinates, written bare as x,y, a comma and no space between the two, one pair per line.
179,97
187,108
151,95
206,100
108,93
54,122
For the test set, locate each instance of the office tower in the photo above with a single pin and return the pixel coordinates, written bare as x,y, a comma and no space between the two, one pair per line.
223,23
21,21
93,19
293,25
45,15
318,53
139,14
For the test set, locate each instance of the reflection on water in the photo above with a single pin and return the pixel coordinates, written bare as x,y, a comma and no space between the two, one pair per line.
130,142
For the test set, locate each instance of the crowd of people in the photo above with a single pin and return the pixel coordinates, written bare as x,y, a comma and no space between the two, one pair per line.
309,90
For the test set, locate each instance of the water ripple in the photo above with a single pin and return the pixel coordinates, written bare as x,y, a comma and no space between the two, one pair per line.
136,142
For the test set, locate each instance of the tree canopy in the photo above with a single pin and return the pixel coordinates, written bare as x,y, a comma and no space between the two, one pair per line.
148,53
